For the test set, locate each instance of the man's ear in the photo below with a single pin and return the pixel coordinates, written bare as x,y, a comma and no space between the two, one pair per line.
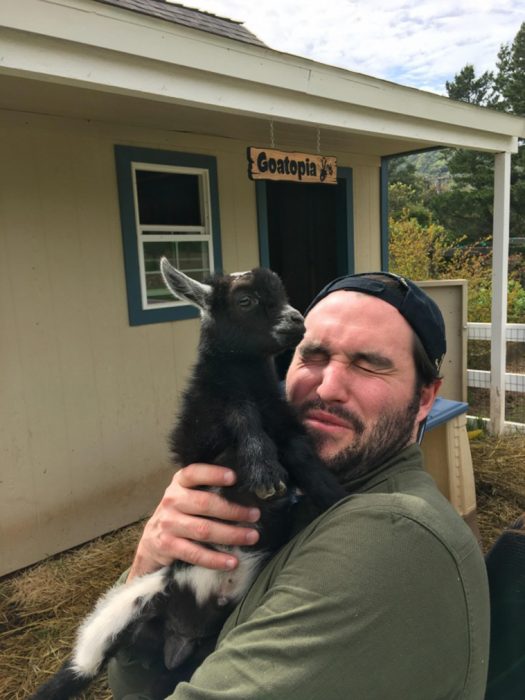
426,399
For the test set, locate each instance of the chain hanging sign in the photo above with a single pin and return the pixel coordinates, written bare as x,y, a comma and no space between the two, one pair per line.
271,164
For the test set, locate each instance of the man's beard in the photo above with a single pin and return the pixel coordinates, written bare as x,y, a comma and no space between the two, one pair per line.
392,432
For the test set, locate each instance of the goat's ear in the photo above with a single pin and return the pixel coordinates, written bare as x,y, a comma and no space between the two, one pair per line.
184,287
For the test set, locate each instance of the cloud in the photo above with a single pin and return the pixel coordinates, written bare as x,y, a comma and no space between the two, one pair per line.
421,43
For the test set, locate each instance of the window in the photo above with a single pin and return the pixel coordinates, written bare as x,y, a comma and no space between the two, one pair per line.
169,207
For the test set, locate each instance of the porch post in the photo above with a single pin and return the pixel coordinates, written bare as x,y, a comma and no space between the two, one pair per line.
499,290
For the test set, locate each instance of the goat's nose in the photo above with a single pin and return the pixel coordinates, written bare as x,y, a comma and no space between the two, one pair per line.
293,314
290,326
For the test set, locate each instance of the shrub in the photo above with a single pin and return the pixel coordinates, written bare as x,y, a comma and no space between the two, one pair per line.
425,252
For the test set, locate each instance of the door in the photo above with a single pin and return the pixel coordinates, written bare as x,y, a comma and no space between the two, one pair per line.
306,236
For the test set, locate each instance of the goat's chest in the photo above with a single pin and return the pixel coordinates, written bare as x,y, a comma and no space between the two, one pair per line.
225,587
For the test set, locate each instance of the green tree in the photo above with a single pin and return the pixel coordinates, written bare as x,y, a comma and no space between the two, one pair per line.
443,232
464,205
509,82
402,198
414,180
468,207
468,88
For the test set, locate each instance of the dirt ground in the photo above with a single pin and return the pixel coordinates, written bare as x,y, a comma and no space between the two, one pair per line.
40,607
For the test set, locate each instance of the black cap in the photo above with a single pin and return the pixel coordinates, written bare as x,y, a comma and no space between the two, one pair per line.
418,309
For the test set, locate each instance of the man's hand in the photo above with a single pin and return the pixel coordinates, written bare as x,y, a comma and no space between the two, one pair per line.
181,520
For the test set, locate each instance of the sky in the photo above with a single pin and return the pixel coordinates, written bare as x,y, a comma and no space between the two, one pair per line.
417,43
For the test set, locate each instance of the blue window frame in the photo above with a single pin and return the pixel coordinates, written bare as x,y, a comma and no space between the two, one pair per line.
169,206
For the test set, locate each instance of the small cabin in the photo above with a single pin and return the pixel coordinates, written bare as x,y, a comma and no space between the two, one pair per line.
131,129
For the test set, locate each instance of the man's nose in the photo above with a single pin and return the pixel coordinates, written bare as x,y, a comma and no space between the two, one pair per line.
334,383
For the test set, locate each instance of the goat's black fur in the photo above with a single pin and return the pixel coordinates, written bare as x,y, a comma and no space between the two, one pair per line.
233,413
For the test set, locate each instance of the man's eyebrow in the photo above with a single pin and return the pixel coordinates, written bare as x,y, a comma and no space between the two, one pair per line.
313,347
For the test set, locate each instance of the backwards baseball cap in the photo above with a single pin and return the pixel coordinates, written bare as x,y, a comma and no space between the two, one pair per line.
418,309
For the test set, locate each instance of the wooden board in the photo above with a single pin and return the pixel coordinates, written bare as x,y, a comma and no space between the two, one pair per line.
270,164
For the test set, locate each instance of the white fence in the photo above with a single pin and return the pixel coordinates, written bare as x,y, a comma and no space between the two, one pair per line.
515,333
481,331
480,378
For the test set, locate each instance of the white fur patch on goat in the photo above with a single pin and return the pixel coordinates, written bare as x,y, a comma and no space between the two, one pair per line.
113,612
226,586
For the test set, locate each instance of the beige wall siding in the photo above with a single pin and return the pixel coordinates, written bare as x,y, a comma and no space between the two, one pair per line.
367,239
86,401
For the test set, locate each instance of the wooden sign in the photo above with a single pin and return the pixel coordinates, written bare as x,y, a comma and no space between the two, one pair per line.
269,164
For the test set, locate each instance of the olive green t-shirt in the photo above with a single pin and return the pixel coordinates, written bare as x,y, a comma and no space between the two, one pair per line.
383,597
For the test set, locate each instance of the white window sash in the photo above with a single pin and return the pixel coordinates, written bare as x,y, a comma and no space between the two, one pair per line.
172,233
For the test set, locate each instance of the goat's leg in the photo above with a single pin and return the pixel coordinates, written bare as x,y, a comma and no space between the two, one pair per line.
258,467
309,473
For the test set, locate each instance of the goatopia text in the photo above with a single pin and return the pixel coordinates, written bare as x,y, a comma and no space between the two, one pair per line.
269,164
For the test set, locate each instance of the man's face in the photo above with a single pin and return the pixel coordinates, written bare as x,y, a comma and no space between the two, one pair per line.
353,380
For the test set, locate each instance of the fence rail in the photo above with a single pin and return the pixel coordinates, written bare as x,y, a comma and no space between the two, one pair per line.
480,379
515,332
514,382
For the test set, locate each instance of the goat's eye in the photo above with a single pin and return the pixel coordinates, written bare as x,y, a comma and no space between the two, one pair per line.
246,302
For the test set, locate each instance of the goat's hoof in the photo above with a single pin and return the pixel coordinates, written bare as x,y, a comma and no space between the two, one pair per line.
281,489
266,494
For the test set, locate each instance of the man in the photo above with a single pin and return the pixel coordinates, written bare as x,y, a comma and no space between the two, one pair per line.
382,597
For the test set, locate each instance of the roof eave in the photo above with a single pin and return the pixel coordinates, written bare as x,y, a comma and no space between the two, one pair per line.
114,50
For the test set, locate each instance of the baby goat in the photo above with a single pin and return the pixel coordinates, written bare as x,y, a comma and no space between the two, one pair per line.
232,414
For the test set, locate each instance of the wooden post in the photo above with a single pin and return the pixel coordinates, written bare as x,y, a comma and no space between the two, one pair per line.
499,290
